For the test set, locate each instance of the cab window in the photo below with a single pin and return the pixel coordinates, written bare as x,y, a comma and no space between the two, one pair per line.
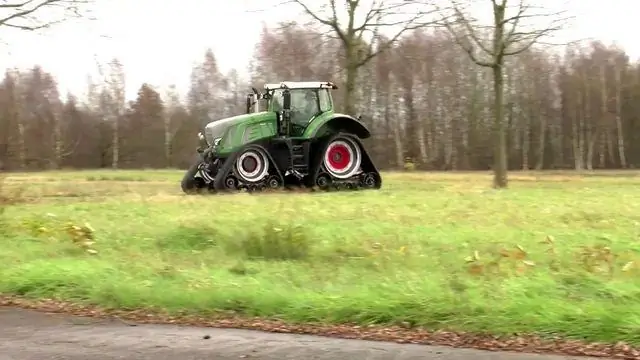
276,101
304,103
324,99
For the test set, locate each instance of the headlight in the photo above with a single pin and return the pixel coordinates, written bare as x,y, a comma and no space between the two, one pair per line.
216,141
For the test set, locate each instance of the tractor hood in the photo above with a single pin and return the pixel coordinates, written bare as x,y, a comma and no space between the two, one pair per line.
216,128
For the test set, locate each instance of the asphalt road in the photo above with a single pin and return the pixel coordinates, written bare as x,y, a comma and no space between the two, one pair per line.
29,335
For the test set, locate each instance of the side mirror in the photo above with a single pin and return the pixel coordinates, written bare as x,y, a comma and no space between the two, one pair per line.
286,100
249,103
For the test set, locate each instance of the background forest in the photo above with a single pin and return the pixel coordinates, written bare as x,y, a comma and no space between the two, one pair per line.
427,103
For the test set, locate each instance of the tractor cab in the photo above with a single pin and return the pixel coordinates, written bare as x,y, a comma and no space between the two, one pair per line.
297,103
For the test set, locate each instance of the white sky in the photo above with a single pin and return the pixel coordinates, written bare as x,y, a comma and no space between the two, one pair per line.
158,41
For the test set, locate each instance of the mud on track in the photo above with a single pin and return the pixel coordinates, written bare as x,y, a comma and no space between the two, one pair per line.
30,335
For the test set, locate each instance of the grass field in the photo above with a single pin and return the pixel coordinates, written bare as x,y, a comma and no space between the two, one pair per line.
556,254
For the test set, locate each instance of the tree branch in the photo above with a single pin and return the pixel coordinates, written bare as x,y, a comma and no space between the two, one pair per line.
460,40
527,39
22,14
408,15
467,23
510,39
413,23
331,22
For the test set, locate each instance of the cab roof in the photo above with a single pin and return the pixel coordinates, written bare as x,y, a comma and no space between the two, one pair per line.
301,85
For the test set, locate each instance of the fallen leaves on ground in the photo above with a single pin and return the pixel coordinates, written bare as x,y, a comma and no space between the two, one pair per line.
397,334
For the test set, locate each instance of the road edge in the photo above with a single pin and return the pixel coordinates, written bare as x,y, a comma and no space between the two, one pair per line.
395,334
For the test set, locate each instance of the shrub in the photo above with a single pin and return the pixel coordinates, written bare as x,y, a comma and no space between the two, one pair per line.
50,227
277,242
188,238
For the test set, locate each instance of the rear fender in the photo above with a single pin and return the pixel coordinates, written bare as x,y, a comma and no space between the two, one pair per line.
341,123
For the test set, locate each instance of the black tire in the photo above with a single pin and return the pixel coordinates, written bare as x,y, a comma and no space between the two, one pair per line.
191,185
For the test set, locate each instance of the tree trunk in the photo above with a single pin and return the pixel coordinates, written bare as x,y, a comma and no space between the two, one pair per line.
499,138
604,110
603,149
526,141
395,128
591,130
591,149
22,145
621,152
58,143
541,142
542,138
581,143
610,152
350,89
576,140
431,120
422,142
167,140
115,143
411,120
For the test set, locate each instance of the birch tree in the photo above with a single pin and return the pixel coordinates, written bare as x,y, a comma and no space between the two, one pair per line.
172,101
113,103
619,68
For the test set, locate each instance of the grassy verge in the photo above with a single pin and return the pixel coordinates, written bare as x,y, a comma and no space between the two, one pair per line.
557,254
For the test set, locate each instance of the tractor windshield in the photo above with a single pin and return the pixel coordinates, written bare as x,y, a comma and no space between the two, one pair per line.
304,104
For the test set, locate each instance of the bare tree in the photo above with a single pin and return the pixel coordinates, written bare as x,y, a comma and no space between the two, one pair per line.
358,40
113,103
145,126
33,15
205,98
510,36
424,95
619,68
116,84
172,100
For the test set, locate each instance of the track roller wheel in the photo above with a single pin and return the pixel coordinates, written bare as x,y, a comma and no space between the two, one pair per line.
273,182
369,180
323,181
231,183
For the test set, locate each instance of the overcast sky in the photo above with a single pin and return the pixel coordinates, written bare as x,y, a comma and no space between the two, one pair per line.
158,41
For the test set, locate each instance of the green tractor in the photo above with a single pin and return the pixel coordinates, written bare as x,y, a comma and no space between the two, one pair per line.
297,141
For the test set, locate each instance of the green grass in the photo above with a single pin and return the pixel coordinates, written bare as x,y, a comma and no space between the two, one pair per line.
434,250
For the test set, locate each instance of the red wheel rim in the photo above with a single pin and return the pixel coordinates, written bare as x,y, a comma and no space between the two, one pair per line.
249,164
339,157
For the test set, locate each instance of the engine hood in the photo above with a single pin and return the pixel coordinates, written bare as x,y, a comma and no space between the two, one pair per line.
216,128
